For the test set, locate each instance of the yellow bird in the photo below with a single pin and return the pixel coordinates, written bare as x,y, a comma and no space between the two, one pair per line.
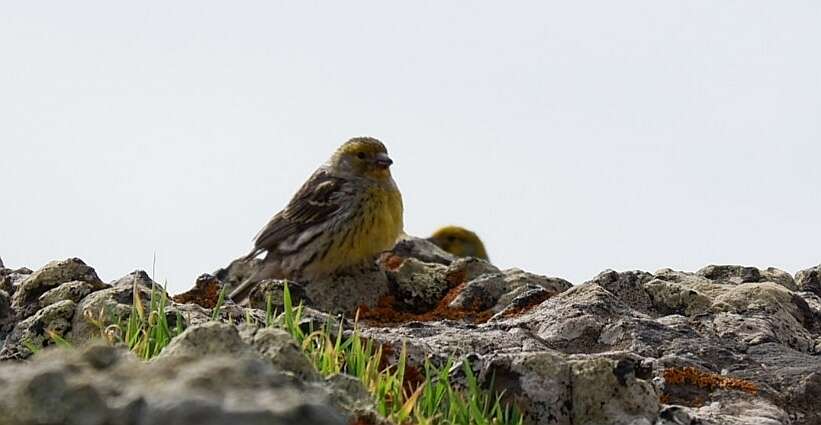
460,242
348,212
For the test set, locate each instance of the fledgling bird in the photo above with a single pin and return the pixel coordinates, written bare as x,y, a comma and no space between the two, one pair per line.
348,212
460,242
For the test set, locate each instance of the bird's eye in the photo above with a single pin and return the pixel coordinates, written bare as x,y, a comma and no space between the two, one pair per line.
361,155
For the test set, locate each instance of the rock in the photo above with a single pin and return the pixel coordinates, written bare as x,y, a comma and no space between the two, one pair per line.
419,286
809,280
628,287
50,276
497,290
137,277
422,250
75,291
735,275
10,279
730,275
346,292
5,305
33,332
470,268
275,288
772,274
112,305
280,348
726,344
607,392
539,383
778,315
206,292
212,338
78,388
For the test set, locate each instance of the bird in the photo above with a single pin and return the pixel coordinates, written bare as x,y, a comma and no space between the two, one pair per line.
348,212
460,242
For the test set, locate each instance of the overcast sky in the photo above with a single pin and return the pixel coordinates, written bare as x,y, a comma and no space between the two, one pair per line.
571,136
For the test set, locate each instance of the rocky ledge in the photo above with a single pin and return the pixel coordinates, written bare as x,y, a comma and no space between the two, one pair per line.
722,345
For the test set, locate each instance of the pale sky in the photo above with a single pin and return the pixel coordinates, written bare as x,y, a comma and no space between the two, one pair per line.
571,136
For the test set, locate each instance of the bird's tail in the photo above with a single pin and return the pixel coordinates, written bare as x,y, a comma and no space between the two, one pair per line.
253,254
240,294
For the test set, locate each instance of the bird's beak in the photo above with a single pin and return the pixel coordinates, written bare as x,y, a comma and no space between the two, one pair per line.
382,160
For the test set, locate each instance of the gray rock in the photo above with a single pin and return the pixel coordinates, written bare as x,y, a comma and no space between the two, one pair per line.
75,291
113,305
422,250
628,287
280,348
470,268
727,344
607,392
498,290
50,276
77,388
540,383
346,292
10,279
212,338
730,275
735,275
34,331
809,280
419,286
275,289
5,305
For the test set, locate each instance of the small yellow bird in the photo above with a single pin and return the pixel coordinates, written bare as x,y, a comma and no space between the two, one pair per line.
348,212
460,242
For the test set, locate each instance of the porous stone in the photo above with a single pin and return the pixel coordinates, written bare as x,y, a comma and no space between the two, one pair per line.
809,280
75,388
607,393
114,304
418,285
38,330
50,276
422,250
75,291
498,290
280,348
540,383
10,279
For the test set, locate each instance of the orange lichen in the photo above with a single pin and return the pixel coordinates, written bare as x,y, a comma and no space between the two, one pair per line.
392,262
706,380
205,293
387,312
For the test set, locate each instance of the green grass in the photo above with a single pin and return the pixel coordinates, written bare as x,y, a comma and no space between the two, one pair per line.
434,400
431,397
146,332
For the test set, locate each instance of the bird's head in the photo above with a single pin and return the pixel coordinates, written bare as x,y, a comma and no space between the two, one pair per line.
363,157
460,242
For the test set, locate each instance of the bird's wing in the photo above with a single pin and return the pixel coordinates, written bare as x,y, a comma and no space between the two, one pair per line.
316,202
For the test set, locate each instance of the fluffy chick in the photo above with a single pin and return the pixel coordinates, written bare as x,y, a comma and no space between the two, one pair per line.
348,211
460,242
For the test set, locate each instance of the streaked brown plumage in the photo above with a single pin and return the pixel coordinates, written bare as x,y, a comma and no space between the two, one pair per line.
347,212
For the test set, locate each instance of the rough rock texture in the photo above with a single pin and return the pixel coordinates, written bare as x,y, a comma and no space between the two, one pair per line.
723,345
103,385
51,276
